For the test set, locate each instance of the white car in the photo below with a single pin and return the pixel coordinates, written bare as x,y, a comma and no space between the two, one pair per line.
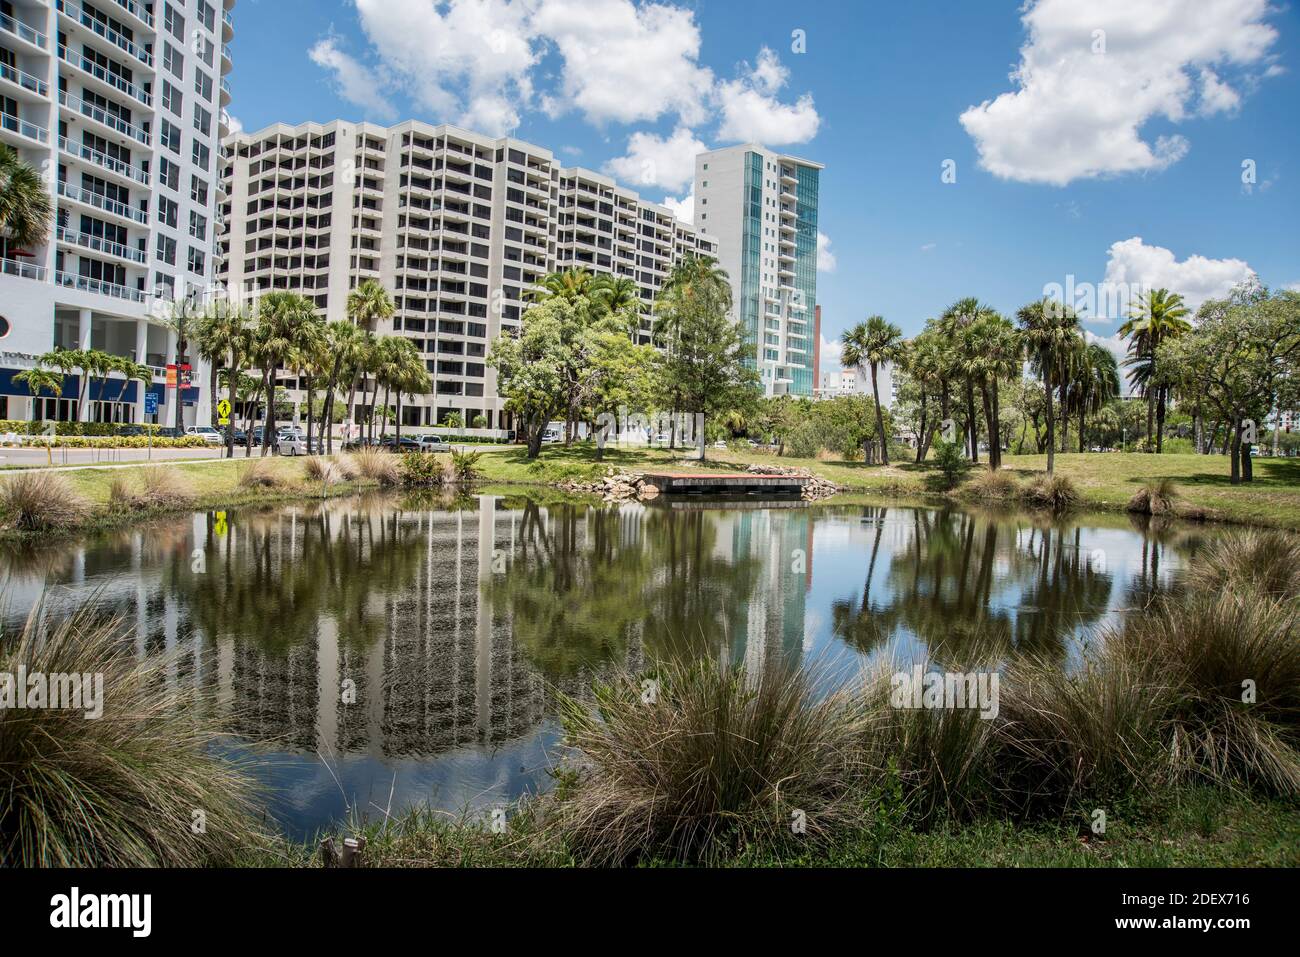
434,443
206,433
294,443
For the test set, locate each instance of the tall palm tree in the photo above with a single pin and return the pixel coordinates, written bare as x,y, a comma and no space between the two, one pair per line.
26,209
280,318
343,341
183,320
409,374
570,284
1160,316
925,363
309,359
957,323
368,304
871,344
1000,352
1096,385
40,380
225,340
1051,331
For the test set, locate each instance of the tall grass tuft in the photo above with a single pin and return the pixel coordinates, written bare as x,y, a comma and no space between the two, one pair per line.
1155,497
377,466
464,466
321,471
163,487
992,487
717,761
40,501
120,790
259,473
1250,563
1053,493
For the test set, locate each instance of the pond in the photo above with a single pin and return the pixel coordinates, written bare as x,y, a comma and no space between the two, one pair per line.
384,652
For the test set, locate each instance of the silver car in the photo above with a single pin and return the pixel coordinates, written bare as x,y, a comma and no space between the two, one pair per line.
434,443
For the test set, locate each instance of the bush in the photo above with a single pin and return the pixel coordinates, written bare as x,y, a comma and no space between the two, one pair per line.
259,473
422,470
464,465
951,463
1155,497
321,471
1251,564
718,760
804,441
40,501
1054,493
376,466
118,790
995,487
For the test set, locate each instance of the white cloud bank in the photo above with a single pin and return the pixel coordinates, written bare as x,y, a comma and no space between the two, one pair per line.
1091,75
653,160
1195,278
825,258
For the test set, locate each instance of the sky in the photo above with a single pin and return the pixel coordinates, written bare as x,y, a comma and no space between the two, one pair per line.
1091,148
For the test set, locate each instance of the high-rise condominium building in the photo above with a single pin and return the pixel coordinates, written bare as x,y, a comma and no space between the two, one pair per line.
119,103
762,207
455,225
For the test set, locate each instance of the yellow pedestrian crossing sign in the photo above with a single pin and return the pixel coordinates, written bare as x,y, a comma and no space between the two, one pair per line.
223,412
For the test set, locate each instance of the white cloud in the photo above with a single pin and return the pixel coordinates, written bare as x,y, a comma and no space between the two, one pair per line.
683,209
825,258
652,160
752,112
625,62
1078,113
830,355
1195,278
234,124
353,81
928,247
1118,347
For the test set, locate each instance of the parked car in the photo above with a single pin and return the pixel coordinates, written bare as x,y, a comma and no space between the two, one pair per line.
205,432
408,444
361,442
551,435
295,443
720,444
434,443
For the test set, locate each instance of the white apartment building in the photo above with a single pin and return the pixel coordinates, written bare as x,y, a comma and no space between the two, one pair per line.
762,206
121,104
457,226
858,382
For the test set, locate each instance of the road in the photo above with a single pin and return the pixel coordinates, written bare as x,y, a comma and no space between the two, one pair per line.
106,458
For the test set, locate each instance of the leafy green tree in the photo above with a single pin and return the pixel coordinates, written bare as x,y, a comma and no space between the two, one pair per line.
697,285
531,367
1096,386
26,208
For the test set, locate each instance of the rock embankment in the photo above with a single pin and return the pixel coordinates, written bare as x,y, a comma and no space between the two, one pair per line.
615,487
816,489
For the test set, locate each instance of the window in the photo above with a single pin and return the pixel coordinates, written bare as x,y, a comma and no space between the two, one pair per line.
174,21
173,61
198,226
202,84
171,99
207,15
199,190
166,250
197,260
167,211
171,136
169,173
202,120
202,156
164,286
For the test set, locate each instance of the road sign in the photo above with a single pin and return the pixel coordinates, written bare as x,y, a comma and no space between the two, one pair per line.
151,403
223,412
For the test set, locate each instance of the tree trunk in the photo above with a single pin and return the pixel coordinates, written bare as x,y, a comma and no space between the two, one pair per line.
398,432
311,419
1160,420
920,435
383,426
213,390
988,424
1083,412
880,419
995,428
972,424
1051,417
1236,451
232,377
1151,410
268,422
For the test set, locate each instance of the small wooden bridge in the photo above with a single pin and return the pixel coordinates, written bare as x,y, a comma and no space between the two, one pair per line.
726,483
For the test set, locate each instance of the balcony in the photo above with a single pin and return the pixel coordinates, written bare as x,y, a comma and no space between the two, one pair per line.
227,61
79,16
227,26
106,119
23,32
12,267
87,65
98,286
138,11
27,82
107,163
13,124
103,204
100,245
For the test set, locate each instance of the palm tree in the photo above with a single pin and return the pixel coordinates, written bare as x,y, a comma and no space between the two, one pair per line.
40,380
183,320
570,284
409,376
870,344
1157,318
280,318
956,324
342,342
619,296
367,305
1051,331
925,363
309,359
1000,357
224,338
1096,385
26,209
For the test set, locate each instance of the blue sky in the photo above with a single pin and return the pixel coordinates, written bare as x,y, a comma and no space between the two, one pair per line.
1116,154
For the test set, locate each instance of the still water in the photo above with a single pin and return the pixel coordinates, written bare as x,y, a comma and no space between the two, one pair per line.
445,623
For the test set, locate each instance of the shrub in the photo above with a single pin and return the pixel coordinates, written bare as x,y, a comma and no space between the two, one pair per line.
1249,564
1155,497
992,487
804,442
718,760
376,466
162,487
259,473
321,471
422,470
120,495
464,465
951,463
1055,493
118,790
41,501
